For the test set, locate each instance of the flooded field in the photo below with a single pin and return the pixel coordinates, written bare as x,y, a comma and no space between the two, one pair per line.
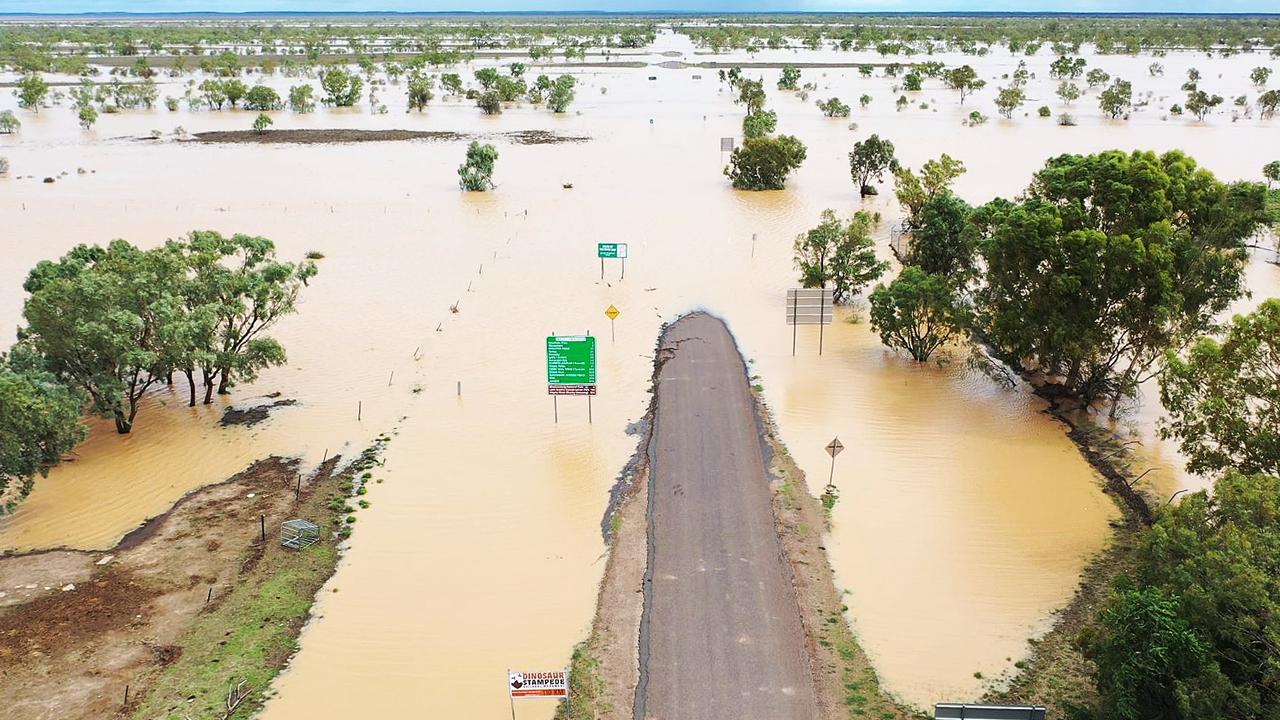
965,515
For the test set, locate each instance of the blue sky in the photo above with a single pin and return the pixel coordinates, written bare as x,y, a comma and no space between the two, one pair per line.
142,6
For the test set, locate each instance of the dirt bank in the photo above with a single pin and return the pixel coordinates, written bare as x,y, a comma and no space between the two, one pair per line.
313,136
78,628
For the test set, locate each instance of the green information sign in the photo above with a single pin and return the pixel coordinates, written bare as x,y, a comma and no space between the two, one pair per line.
611,250
571,360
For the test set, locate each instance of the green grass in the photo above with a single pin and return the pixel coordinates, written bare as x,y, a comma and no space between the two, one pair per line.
250,635
586,687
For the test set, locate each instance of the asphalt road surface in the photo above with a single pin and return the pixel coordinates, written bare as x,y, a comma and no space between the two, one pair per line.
721,634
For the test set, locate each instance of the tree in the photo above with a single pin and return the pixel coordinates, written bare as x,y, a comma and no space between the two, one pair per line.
759,124
833,108
871,159
751,93
452,82
233,290
1270,171
1201,103
943,242
963,79
9,122
32,91
912,82
487,77
235,89
790,79
1107,261
1268,102
39,423
763,163
261,123
1212,559
1068,91
1149,659
913,191
489,102
918,313
1008,100
87,116
214,93
510,89
1066,67
342,89
1117,99
419,91
1260,75
301,98
561,94
1223,398
476,173
839,254
1097,77
96,315
262,98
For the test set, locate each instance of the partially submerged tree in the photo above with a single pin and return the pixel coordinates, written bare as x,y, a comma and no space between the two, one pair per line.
764,163
913,191
1223,398
476,173
870,160
918,312
1116,100
964,80
1107,261
943,242
759,124
419,91
31,91
840,255
301,98
561,94
261,123
790,79
39,423
342,89
9,122
1008,100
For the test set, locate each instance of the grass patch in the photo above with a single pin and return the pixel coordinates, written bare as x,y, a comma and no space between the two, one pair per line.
250,633
586,687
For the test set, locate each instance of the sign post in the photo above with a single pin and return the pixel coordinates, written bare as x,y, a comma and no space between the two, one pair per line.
833,449
612,313
809,306
571,368
525,684
612,251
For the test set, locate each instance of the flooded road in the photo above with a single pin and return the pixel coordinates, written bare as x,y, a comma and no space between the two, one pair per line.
965,513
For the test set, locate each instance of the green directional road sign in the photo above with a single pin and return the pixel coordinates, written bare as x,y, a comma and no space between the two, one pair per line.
611,250
571,360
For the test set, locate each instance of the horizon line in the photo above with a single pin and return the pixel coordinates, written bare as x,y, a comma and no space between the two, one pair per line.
643,13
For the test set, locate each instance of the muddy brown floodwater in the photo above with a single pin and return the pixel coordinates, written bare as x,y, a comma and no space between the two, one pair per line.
965,514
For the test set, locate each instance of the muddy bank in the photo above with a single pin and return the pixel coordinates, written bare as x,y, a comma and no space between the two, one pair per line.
318,136
78,628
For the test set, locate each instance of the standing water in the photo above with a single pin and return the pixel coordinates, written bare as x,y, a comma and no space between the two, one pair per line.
965,513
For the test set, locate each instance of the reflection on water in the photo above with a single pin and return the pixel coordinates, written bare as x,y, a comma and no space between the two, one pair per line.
965,513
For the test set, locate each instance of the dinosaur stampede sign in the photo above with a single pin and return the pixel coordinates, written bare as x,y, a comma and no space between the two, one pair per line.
552,684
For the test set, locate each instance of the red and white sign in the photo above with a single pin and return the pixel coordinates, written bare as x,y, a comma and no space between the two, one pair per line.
525,684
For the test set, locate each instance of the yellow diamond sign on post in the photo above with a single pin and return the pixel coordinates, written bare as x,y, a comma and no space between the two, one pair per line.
612,312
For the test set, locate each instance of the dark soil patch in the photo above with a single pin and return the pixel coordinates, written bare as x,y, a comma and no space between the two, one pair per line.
253,415
316,136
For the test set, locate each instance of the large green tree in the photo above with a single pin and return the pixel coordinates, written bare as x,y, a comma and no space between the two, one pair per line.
39,423
870,160
839,254
475,174
237,289
1110,259
1208,647
942,240
96,317
1223,398
918,312
763,163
